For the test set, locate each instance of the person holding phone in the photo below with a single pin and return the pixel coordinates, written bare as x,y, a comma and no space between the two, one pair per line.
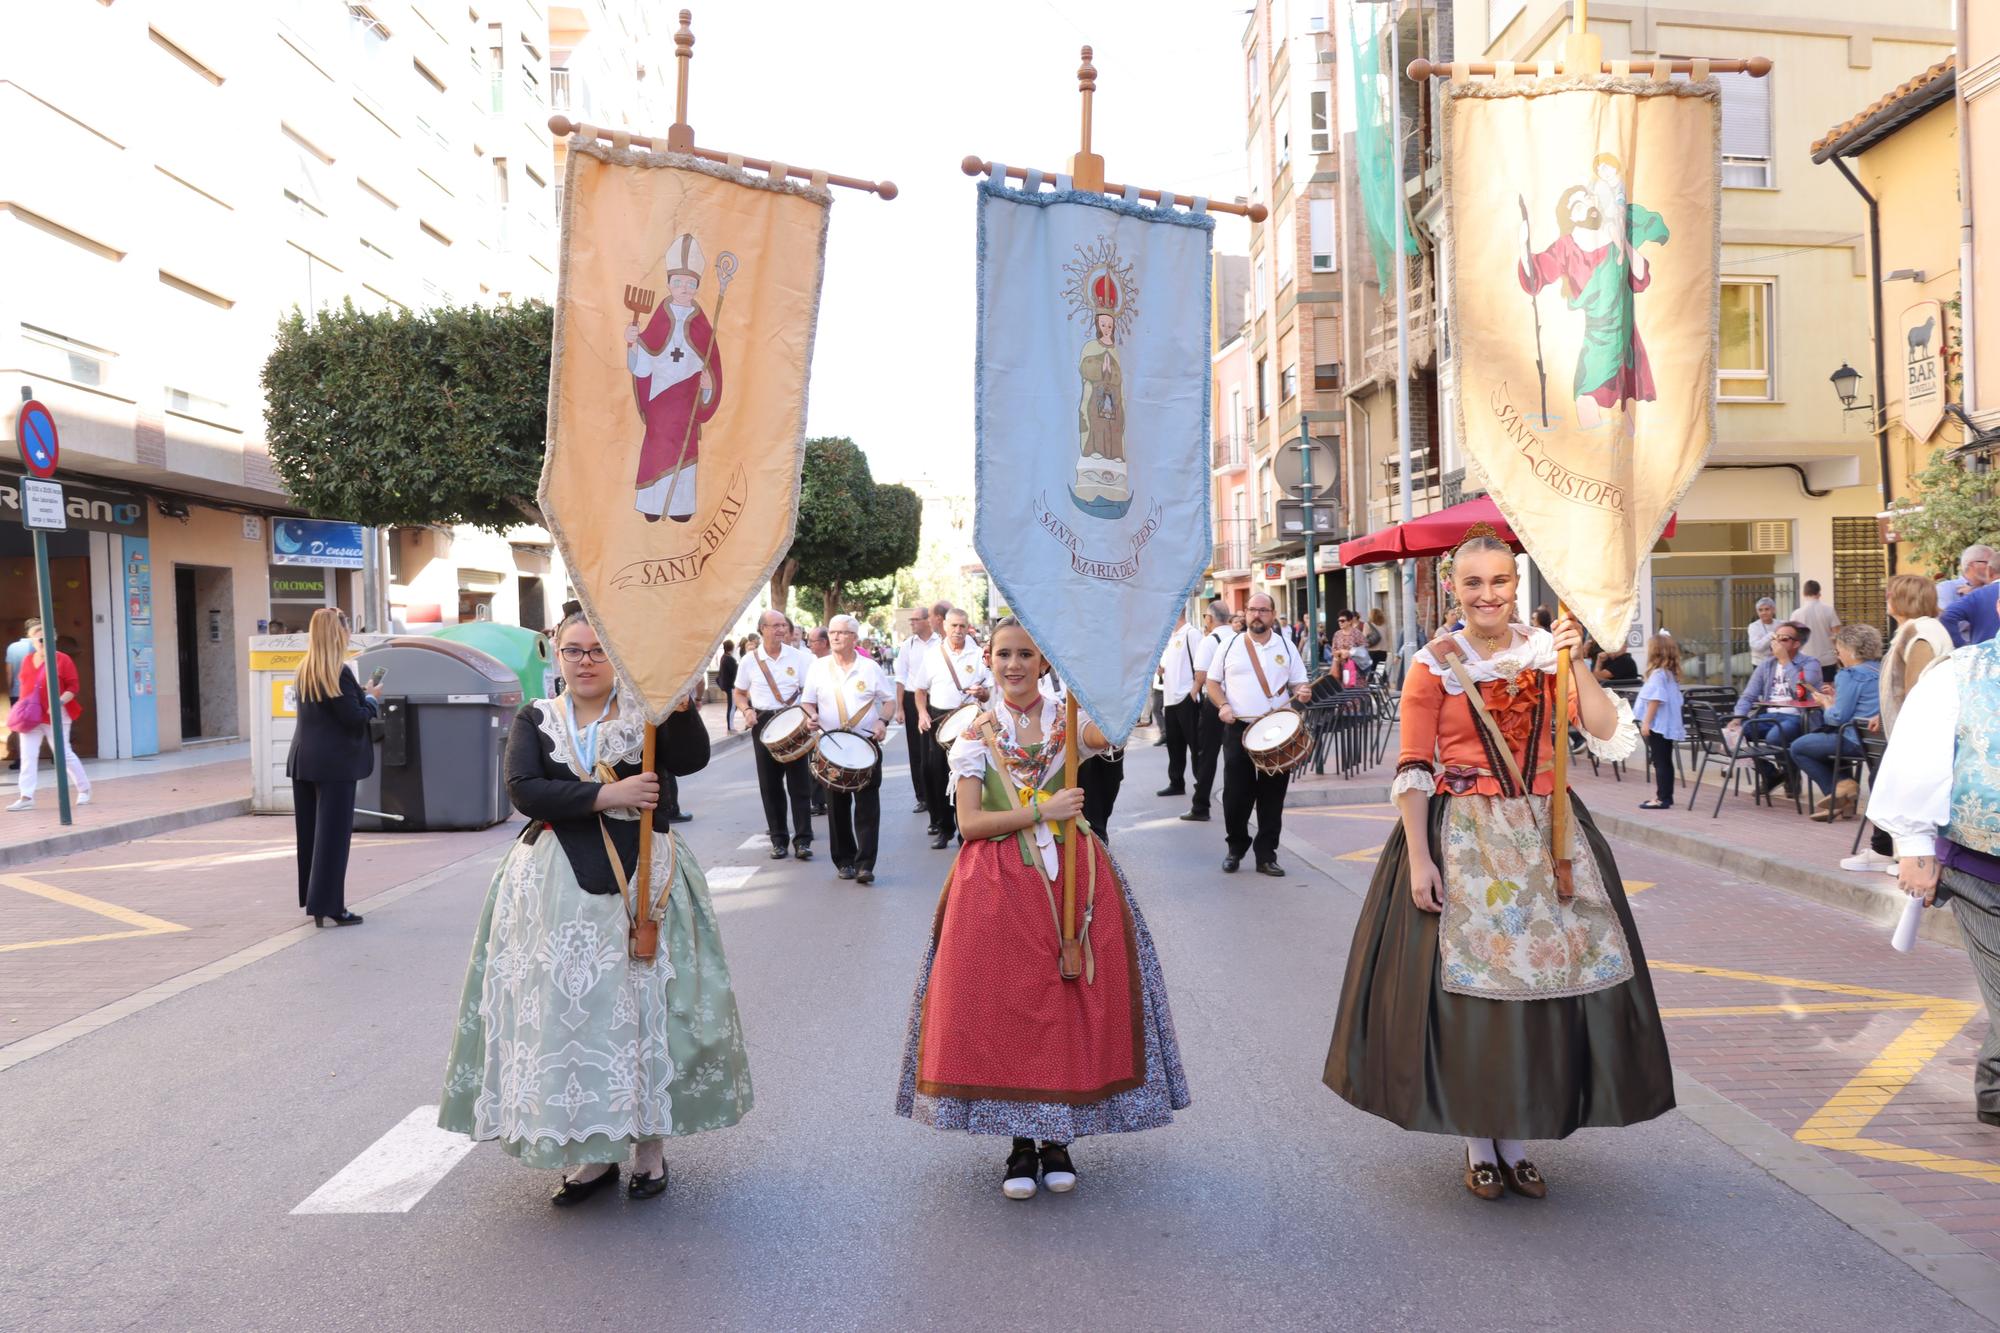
331,751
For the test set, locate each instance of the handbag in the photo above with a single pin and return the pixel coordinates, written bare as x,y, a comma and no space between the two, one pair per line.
31,710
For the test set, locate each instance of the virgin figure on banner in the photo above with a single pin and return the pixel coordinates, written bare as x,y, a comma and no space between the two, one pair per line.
1101,290
676,380
1597,260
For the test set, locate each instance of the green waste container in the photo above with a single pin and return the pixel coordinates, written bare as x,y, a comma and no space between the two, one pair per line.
524,651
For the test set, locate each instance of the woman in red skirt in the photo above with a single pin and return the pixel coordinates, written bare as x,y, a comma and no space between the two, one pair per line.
998,1042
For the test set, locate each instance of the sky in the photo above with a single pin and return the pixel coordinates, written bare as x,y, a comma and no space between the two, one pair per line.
904,91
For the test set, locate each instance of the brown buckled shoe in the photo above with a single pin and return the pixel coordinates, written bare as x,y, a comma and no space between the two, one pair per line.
1483,1179
1523,1179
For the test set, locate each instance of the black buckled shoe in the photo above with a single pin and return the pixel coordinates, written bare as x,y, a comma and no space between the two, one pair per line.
573,1192
1058,1175
1024,1164
647,1187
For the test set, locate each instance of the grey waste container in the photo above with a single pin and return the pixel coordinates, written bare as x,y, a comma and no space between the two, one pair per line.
440,750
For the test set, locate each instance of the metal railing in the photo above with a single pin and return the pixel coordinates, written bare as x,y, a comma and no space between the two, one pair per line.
1232,544
1230,451
558,88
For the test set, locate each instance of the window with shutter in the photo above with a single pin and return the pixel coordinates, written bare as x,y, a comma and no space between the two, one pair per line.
1746,131
1320,224
1320,111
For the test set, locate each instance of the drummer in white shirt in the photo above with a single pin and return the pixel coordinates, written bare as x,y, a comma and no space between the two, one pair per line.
1243,689
953,673
1207,744
1180,707
922,636
845,691
773,677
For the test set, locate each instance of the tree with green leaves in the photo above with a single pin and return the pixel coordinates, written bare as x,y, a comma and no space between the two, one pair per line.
411,417
1954,507
849,530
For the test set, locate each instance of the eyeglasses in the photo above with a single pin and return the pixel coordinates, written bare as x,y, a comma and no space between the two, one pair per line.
573,655
1784,638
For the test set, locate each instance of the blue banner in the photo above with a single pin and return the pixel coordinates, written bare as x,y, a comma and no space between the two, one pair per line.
1092,428
312,541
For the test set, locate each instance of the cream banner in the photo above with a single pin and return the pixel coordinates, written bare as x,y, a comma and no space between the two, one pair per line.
685,314
1582,251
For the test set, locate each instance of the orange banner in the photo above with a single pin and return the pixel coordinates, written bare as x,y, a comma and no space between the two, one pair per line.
685,314
1583,252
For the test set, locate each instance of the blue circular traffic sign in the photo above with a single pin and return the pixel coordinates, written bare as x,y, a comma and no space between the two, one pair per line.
35,430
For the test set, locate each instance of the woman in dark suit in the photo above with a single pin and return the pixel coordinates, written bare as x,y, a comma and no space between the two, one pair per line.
331,751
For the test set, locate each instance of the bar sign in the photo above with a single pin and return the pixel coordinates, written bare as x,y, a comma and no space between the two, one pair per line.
42,505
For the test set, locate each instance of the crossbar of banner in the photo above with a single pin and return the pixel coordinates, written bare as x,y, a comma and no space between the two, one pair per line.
680,136
1086,169
1419,70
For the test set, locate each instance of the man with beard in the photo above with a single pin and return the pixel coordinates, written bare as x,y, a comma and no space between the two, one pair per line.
1252,677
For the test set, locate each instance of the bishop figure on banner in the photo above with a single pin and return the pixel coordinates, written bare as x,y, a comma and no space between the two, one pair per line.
677,384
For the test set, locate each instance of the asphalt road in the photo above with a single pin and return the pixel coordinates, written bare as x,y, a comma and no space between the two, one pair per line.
149,1171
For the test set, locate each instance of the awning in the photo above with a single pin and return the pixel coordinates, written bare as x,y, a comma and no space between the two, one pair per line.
1434,534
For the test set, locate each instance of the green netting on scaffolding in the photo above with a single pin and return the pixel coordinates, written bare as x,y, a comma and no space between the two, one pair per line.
1371,140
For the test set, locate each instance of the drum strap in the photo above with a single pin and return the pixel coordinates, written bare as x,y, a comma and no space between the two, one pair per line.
1257,665
840,702
945,648
776,693
642,937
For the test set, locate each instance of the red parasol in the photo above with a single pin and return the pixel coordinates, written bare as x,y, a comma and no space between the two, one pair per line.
1434,534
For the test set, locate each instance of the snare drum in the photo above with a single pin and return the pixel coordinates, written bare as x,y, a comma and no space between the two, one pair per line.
844,760
953,724
1277,742
787,734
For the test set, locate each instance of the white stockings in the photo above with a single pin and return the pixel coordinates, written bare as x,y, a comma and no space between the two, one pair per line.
1495,1151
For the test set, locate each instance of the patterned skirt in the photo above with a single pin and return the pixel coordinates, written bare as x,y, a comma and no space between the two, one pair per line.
994,868
566,1050
1438,1060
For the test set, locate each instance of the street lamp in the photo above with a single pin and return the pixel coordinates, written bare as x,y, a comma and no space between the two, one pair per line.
1845,382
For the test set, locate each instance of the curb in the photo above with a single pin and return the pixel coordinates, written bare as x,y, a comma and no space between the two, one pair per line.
1882,905
105,835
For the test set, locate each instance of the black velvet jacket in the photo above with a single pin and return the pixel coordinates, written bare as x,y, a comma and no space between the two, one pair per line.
552,796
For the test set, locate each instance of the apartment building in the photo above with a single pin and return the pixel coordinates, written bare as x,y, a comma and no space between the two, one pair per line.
176,177
1977,93
1292,341
1795,484
1232,404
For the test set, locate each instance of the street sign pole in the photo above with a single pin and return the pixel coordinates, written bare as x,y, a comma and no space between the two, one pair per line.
51,677
1306,488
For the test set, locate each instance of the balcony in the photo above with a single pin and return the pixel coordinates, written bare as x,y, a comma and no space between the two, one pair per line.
559,88
1231,453
1232,547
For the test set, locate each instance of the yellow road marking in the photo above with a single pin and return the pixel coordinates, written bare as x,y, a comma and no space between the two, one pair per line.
142,923
1361,854
1633,886
1840,1123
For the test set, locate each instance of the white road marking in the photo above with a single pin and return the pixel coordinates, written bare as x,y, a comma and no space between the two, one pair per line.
754,840
395,1172
724,878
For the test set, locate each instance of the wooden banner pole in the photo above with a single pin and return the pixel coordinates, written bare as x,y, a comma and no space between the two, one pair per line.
1071,964
1559,787
1086,169
642,890
679,137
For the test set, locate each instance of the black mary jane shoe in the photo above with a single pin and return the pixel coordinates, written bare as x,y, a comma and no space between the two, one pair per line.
338,919
573,1192
647,1187
847,872
802,851
1058,1175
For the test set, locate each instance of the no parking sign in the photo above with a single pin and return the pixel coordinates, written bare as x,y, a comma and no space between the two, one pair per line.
35,431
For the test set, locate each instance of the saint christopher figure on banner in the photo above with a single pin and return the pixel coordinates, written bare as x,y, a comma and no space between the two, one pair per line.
1101,290
676,382
1597,260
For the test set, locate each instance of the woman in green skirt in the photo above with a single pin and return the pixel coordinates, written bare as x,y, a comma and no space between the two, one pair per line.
569,1051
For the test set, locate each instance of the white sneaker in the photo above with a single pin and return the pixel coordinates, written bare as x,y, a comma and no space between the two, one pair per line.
83,798
23,803
1867,860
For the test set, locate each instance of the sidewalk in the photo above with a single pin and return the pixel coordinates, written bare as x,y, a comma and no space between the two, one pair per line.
1803,1018
140,798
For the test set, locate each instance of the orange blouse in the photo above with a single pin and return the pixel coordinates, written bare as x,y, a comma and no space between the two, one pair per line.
1443,736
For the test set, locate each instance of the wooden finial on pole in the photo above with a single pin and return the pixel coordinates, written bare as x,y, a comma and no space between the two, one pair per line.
1086,168
1069,963
680,137
1583,51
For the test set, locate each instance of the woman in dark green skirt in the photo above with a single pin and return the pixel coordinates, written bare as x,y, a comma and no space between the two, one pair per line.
1485,999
